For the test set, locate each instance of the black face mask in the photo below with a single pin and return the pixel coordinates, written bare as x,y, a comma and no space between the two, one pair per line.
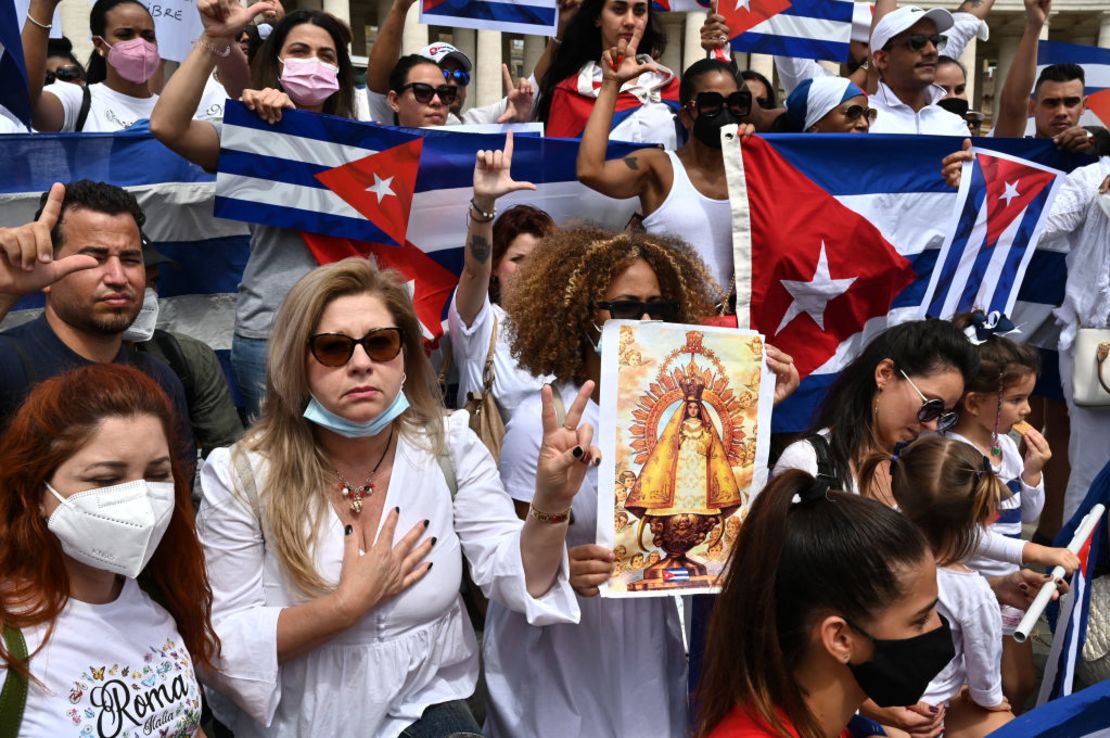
954,105
900,671
708,129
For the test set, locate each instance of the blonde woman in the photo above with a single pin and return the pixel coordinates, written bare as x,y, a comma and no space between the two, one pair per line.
335,531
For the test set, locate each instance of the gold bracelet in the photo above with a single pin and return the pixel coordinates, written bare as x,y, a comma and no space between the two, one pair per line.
546,517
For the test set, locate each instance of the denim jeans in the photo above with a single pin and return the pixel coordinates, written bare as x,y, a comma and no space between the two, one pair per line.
445,720
248,360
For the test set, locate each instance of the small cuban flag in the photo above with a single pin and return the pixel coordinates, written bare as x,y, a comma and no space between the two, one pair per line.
676,575
536,17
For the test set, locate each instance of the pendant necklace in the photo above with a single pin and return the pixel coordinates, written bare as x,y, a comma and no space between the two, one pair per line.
357,494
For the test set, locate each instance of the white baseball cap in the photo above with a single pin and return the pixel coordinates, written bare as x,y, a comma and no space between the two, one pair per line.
438,52
903,19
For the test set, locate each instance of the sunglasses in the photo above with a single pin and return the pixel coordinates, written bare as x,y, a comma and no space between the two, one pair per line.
424,93
933,409
917,41
764,103
853,113
459,76
336,349
666,310
65,74
710,104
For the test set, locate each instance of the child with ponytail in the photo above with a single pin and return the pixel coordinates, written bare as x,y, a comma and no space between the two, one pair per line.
996,402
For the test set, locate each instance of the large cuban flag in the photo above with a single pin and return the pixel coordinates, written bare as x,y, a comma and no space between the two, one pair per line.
1096,69
536,17
837,236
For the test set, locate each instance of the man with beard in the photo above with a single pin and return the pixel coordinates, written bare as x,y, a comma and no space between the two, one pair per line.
84,252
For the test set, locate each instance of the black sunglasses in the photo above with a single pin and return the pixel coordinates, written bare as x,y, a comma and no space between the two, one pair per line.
459,76
424,93
917,41
853,112
765,103
710,104
635,309
71,73
933,409
336,349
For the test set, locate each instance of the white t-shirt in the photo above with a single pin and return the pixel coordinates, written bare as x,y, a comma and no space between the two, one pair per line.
108,111
896,116
118,669
971,609
9,123
212,101
470,346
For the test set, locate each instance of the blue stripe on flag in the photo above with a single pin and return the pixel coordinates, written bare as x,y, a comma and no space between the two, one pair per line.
1047,287
283,216
802,48
299,173
834,10
320,127
504,12
209,267
1058,52
923,265
1017,250
961,240
798,411
14,94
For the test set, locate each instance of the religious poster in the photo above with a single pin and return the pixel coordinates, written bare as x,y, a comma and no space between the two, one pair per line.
684,435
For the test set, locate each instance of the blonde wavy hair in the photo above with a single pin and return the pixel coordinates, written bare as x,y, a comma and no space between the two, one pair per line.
298,473
554,298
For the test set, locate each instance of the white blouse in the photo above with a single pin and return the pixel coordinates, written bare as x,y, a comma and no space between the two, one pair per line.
620,672
414,650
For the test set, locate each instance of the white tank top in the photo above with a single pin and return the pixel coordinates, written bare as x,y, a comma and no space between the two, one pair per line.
702,222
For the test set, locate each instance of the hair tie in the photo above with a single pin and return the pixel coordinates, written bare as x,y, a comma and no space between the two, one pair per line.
817,489
985,326
985,468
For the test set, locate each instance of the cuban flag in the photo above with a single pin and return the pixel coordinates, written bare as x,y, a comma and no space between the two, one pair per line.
1085,714
1002,206
837,236
536,17
13,72
676,575
806,29
573,99
1096,69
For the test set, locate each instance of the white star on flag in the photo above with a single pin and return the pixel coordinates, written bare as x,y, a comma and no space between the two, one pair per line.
813,297
381,187
1010,193
411,287
745,4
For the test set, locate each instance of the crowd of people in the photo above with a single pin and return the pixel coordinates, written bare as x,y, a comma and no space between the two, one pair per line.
344,554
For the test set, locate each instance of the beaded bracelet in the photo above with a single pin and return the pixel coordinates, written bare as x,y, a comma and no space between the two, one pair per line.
483,216
545,517
213,50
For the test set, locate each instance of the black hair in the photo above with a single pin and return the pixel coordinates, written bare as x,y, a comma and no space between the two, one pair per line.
1002,362
400,73
97,68
254,40
830,552
696,70
582,43
772,98
99,197
62,47
1060,73
942,60
264,69
919,348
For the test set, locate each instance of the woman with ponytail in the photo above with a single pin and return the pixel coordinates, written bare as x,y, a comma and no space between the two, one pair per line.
830,599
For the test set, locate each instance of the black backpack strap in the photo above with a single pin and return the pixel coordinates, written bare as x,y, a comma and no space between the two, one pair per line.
83,114
13,695
825,466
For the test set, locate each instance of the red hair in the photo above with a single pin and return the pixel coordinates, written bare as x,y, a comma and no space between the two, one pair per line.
58,418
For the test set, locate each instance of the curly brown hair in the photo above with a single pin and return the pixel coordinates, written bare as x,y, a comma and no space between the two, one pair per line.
552,304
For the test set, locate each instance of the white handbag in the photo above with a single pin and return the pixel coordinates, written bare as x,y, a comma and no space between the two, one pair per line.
1091,368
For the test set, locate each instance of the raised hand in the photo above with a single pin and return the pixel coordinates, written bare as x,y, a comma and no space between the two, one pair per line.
27,252
619,63
519,98
268,103
492,177
566,452
714,30
1037,454
786,374
1036,11
226,19
375,570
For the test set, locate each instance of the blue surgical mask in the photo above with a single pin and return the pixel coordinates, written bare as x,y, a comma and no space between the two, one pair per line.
600,335
325,418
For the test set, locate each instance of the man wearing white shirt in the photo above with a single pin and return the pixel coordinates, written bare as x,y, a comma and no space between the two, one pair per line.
905,46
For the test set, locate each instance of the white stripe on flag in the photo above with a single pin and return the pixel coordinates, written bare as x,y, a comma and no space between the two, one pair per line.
312,199
1097,75
967,258
207,318
804,27
285,146
908,221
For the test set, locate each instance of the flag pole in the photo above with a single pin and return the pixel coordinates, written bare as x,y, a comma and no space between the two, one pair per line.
1033,614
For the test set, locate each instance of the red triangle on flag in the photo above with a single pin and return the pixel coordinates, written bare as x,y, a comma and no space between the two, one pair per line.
1011,186
743,15
1099,104
430,284
820,270
380,186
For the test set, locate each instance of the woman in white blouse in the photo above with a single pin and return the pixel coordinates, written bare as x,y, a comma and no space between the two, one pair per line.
494,252
335,531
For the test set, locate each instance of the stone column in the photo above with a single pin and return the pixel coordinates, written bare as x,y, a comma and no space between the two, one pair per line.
533,50
1007,47
764,64
972,67
672,55
415,35
341,9
691,40
485,80
75,25
1104,29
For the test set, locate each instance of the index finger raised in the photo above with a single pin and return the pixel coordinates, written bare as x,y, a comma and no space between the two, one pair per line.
508,78
637,35
574,412
508,147
52,210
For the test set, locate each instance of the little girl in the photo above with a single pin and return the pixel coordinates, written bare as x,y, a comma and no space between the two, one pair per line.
948,490
996,401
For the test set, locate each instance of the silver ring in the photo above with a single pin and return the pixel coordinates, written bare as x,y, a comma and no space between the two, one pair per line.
722,37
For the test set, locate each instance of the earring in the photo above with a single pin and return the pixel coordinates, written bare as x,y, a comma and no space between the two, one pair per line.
403,378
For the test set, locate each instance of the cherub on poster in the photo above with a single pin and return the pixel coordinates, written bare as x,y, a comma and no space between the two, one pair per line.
684,431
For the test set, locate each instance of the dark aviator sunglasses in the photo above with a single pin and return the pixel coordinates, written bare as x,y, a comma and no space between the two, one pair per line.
424,93
710,104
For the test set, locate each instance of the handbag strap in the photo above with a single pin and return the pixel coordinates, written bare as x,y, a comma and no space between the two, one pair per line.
246,475
13,696
1101,353
487,371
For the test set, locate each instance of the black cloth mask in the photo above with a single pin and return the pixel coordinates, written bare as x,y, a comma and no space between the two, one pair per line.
900,671
708,129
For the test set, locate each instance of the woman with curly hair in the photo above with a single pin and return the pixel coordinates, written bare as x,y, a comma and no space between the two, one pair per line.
578,676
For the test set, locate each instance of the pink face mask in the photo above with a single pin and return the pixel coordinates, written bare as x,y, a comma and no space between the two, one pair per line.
135,59
309,81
